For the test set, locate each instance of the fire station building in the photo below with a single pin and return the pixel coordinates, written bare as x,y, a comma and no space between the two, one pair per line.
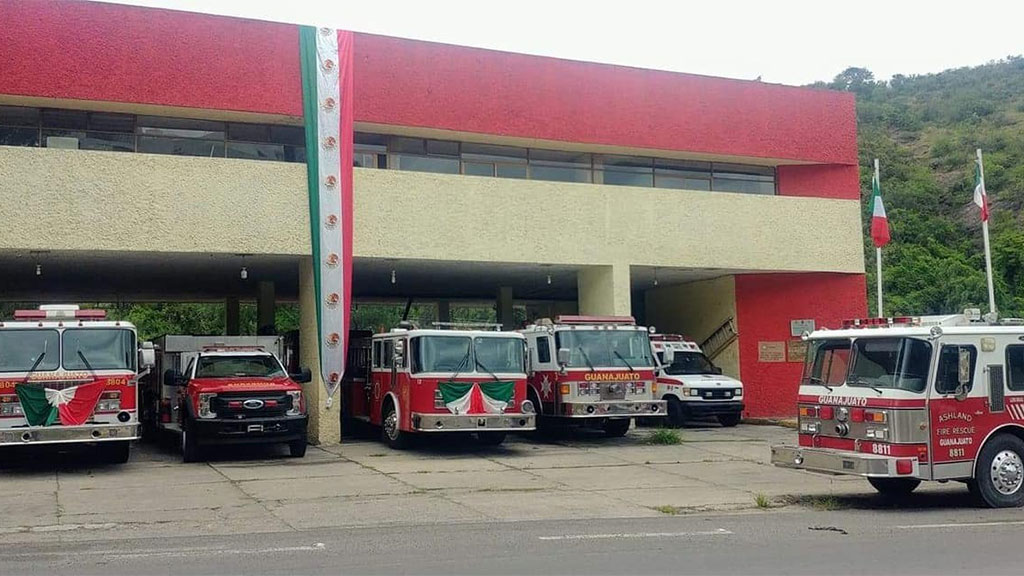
151,154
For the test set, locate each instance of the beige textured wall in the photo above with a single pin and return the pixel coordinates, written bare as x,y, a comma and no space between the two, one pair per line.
604,290
696,309
143,202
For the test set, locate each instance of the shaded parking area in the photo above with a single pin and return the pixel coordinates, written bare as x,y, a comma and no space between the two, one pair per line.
59,497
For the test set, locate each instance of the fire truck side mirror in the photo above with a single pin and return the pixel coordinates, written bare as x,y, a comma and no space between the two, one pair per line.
564,355
668,356
303,376
399,349
147,355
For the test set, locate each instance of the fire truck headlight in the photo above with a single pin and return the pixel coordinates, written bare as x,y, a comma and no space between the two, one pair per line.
204,410
528,407
692,392
297,406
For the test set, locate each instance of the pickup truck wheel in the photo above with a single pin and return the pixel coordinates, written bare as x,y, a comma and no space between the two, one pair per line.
297,448
115,452
490,438
675,412
189,444
390,431
616,428
999,472
894,486
728,420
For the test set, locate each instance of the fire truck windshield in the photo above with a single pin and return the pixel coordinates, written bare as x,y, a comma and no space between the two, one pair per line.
876,363
20,350
99,349
499,354
441,354
690,363
256,366
606,348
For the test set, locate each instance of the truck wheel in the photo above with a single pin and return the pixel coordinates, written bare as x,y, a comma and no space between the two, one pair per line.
728,420
894,486
1000,472
616,428
675,412
490,438
389,430
116,452
189,444
297,448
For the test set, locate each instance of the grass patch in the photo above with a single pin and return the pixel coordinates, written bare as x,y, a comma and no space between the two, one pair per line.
664,437
670,510
762,501
825,503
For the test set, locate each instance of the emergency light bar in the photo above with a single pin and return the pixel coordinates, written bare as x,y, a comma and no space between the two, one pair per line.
55,311
668,338
225,348
882,322
595,320
466,326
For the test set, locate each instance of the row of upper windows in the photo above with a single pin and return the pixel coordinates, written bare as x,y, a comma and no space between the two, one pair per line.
60,128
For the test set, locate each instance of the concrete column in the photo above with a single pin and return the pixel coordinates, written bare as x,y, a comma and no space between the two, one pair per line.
232,316
266,324
506,315
444,311
604,290
324,422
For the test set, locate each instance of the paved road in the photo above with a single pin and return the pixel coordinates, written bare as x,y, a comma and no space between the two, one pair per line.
933,539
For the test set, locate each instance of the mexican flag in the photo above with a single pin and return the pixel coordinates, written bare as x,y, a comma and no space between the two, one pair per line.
326,61
879,221
980,196
476,398
73,406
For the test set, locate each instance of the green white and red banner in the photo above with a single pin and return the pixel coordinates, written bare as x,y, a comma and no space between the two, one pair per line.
326,55
879,220
72,406
476,398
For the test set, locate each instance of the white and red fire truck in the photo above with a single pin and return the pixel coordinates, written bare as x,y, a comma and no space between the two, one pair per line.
69,376
452,378
596,371
217,390
692,386
900,400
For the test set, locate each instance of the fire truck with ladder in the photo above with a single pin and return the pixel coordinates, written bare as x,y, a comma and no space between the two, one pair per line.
901,400
217,390
70,376
692,386
595,371
454,377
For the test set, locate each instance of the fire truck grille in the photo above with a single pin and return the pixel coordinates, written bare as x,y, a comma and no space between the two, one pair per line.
251,405
613,390
715,394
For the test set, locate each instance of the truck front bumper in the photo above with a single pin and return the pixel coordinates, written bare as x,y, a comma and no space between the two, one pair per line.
612,409
422,422
701,408
830,461
31,435
249,430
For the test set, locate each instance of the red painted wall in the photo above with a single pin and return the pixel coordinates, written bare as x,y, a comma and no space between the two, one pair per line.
820,180
765,304
94,51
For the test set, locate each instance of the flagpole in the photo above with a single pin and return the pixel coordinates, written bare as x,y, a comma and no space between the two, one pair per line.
988,251
878,255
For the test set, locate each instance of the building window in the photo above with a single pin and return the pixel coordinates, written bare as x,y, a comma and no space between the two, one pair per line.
682,174
419,155
624,171
742,178
497,161
560,166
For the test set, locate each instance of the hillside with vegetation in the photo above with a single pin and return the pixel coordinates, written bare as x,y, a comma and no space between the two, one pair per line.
924,130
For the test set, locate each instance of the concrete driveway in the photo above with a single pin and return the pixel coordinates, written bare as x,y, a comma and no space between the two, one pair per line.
364,483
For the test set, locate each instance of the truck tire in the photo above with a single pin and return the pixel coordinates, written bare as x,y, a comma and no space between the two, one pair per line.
999,472
389,429
189,444
297,448
894,487
490,438
616,428
728,420
675,412
115,452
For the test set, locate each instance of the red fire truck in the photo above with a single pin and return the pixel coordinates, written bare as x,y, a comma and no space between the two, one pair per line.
69,376
452,378
596,371
900,400
216,390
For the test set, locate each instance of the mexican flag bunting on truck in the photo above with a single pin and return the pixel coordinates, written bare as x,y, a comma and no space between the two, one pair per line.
326,56
72,406
476,398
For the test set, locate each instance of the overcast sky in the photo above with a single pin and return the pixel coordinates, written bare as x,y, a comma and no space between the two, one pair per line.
789,42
